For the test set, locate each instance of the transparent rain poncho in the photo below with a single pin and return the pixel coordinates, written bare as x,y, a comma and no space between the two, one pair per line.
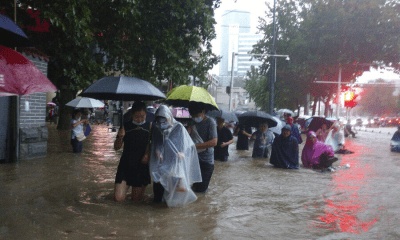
335,138
174,162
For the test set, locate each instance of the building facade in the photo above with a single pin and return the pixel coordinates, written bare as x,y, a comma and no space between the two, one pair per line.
236,37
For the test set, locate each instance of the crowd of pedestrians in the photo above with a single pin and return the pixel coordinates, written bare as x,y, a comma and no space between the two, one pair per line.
179,159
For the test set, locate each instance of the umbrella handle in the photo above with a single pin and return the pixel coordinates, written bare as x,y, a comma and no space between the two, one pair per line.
121,121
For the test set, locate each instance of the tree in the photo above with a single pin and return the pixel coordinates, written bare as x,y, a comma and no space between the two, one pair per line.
323,36
147,39
379,99
252,85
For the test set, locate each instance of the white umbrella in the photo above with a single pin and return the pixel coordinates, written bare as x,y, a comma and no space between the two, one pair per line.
85,103
282,111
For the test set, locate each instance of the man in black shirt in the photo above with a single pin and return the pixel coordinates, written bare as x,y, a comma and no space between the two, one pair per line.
224,139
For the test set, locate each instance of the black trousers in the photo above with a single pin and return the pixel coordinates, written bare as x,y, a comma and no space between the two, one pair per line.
158,191
76,146
207,170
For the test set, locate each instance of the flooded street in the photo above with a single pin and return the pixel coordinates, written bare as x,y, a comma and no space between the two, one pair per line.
69,196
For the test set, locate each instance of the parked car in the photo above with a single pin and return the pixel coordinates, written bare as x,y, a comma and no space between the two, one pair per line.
359,122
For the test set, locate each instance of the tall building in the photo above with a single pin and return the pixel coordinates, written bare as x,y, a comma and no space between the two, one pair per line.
236,38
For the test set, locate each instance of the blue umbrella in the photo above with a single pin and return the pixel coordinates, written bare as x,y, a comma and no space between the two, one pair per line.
12,35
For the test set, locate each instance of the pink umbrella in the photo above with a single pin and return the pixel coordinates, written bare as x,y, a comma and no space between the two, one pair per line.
19,76
51,104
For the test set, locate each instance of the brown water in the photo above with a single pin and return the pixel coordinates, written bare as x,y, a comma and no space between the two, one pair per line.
69,196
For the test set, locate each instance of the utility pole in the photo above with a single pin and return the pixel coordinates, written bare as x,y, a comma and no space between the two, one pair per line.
231,85
338,92
273,67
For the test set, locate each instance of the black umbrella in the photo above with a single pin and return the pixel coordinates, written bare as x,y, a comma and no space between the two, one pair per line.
12,35
238,113
316,123
225,114
254,118
123,89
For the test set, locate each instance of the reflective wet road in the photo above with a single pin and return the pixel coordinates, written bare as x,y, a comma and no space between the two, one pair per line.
69,196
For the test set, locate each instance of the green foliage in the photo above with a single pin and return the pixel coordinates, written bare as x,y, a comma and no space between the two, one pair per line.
322,36
154,39
148,39
256,85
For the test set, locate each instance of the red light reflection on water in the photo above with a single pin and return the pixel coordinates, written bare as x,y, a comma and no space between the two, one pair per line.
342,209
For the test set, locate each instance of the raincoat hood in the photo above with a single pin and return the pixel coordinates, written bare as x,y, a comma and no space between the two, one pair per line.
163,111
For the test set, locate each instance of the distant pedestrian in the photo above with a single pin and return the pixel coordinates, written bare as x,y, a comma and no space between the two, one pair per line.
348,130
243,133
225,138
316,154
263,139
322,133
77,130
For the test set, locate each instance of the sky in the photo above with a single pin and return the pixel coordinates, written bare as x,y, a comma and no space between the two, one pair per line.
257,9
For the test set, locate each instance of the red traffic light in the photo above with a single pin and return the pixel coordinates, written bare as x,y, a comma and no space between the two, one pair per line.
349,99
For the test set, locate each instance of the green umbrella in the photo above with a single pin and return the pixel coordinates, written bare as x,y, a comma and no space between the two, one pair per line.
183,95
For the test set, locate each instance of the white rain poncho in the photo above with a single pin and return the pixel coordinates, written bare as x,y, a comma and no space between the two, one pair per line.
174,162
335,138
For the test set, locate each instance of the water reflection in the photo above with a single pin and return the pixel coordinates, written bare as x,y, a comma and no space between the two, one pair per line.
68,195
343,209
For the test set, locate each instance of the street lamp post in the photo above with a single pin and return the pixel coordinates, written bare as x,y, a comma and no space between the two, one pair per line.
273,70
272,80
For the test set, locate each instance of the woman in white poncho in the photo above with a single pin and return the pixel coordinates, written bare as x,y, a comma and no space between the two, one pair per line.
174,164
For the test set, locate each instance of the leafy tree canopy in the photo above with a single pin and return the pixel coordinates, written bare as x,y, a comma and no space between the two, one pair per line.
322,36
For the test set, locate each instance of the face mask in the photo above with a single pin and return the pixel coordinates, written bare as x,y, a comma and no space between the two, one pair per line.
198,119
163,126
78,119
141,123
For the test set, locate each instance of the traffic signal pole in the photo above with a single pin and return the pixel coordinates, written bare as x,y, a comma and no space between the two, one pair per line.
231,85
338,92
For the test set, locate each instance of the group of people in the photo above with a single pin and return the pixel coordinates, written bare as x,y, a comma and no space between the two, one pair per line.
169,156
283,150
180,160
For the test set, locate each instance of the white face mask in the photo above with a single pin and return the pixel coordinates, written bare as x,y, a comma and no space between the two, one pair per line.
78,118
141,123
198,119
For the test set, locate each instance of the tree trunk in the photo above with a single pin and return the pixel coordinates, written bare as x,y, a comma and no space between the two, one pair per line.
314,107
327,107
64,112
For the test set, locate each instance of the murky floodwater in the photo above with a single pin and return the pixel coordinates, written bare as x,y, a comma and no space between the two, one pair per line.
69,196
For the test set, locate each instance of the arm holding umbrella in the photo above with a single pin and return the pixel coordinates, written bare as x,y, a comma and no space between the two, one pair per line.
84,121
119,141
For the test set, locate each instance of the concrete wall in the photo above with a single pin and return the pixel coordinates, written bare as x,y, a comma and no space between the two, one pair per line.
33,130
